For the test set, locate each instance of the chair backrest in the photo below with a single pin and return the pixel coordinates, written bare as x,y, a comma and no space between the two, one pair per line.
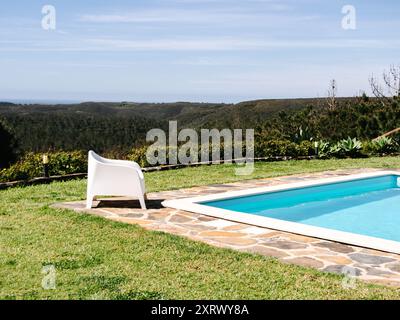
94,156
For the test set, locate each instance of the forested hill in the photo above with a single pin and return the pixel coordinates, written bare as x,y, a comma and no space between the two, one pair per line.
186,113
104,125
75,127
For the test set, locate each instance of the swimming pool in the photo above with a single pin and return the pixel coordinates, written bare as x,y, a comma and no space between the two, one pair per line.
362,210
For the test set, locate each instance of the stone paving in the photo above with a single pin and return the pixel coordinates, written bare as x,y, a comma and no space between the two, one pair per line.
366,264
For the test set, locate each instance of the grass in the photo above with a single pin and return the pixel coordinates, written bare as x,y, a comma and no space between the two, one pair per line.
96,258
196,176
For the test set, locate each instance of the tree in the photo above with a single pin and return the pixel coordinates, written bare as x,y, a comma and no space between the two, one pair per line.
7,146
390,89
332,93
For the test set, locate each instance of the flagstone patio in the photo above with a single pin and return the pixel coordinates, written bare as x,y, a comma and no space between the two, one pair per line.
365,264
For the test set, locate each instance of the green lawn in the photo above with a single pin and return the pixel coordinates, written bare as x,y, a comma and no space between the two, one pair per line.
100,259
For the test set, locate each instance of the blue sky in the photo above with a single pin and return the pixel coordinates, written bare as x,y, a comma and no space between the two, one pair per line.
193,50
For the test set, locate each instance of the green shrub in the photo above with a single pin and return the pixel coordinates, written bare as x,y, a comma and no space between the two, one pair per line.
31,166
139,155
277,148
62,163
291,149
350,147
368,148
306,148
271,148
7,145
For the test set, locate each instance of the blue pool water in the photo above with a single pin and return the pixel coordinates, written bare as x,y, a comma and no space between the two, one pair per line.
368,207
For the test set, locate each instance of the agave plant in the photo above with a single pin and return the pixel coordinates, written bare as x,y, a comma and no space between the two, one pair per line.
302,134
349,147
336,150
322,149
384,145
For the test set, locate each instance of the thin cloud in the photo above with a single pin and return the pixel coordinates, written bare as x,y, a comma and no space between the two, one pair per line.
185,15
190,44
225,44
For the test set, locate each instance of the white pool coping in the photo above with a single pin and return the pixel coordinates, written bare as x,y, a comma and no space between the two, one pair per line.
194,205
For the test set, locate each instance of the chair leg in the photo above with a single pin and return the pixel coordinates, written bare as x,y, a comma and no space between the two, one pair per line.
142,202
89,201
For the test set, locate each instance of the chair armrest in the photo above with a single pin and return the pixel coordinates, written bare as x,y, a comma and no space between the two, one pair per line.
124,164
127,162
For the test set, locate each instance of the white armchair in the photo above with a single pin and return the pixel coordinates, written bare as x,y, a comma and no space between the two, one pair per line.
114,178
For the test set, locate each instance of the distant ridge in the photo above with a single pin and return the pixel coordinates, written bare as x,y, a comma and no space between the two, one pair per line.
188,114
41,101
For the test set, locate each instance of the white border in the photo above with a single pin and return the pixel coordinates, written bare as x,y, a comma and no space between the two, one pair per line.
194,205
